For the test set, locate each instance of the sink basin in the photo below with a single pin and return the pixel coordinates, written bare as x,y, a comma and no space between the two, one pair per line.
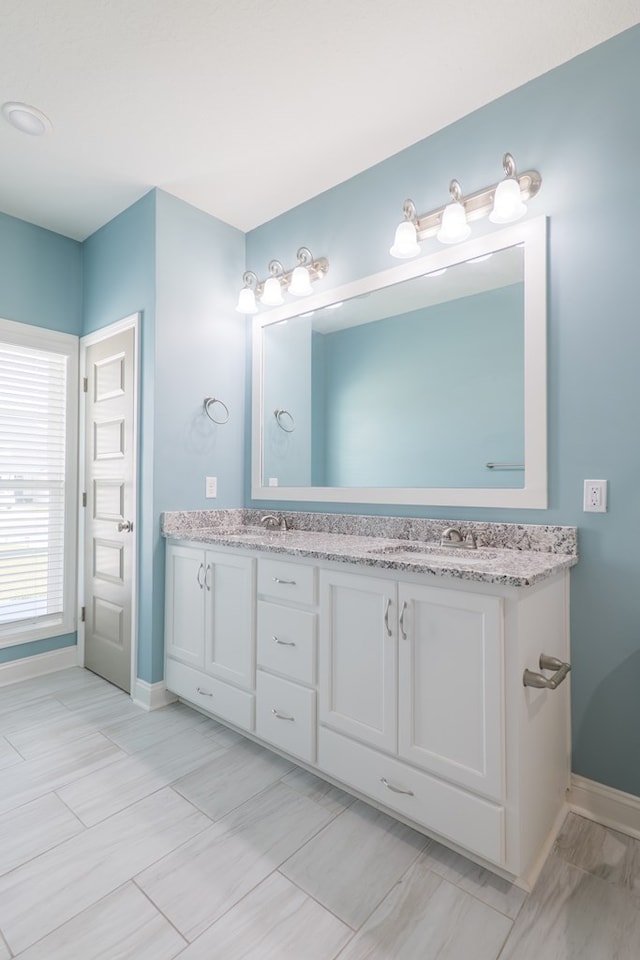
436,552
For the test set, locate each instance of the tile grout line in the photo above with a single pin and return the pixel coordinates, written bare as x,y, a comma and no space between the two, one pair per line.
161,913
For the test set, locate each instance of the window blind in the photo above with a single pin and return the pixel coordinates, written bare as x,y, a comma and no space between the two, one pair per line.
33,426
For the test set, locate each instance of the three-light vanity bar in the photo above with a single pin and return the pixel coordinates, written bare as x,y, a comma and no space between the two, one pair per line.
503,202
296,281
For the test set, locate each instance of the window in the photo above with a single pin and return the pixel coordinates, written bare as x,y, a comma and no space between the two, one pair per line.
38,467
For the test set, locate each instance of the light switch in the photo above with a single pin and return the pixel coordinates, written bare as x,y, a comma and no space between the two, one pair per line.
211,488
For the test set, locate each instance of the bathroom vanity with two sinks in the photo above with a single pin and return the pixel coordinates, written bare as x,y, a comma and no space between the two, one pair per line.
391,658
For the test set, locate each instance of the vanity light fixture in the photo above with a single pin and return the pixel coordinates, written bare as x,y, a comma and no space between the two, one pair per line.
296,281
454,227
503,202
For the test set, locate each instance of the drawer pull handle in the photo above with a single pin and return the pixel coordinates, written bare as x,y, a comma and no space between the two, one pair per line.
386,617
288,583
390,786
203,693
531,679
199,574
284,643
282,716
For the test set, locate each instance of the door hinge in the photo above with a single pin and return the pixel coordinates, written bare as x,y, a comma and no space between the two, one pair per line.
84,499
83,614
85,385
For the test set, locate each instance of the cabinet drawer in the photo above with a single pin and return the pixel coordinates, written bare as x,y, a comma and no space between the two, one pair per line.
286,716
286,641
461,817
284,580
214,696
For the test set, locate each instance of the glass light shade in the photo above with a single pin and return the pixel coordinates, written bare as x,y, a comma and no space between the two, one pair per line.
300,285
507,202
247,301
405,244
272,293
454,227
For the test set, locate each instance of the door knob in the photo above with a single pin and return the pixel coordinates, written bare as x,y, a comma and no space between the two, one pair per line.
125,527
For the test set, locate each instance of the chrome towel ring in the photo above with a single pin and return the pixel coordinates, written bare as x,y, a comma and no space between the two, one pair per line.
285,420
210,402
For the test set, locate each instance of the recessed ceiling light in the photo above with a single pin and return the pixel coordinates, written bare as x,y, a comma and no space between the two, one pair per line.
27,119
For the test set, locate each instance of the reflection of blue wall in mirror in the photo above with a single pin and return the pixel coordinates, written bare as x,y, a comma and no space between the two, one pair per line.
287,386
425,400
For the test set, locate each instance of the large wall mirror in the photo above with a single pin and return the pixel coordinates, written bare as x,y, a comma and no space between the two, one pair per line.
424,384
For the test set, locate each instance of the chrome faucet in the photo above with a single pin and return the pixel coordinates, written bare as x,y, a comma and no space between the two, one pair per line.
271,522
452,537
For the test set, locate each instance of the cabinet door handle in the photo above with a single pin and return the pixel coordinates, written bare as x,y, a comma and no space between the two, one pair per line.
386,617
531,679
206,577
402,613
284,643
200,572
394,789
282,716
288,583
203,693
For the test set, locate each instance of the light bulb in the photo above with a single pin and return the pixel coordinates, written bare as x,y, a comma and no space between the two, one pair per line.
300,285
454,227
405,244
272,293
507,202
247,301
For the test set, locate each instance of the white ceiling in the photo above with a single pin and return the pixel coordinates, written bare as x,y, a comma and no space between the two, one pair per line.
245,108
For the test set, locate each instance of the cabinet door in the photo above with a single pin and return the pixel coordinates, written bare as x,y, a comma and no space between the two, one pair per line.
230,616
185,604
451,685
358,673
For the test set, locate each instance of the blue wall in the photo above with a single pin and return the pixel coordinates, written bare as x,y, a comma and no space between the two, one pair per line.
40,277
574,125
201,346
119,280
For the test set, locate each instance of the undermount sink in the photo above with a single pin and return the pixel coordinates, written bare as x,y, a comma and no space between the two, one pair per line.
436,552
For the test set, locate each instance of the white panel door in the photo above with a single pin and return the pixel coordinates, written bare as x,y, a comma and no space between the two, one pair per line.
109,486
358,674
451,685
230,618
185,604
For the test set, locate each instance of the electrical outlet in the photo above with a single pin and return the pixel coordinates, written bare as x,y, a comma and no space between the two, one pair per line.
273,481
595,496
211,488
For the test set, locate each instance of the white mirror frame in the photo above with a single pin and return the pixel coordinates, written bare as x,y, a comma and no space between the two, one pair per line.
533,495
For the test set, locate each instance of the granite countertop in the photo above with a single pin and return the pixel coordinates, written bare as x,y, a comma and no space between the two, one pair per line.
509,554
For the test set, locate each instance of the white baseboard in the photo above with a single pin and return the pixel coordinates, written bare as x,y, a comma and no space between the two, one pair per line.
612,808
36,666
151,695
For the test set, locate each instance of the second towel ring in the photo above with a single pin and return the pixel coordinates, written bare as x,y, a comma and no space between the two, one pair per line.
289,424
209,402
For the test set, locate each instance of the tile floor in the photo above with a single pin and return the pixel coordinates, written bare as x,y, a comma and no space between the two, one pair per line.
126,834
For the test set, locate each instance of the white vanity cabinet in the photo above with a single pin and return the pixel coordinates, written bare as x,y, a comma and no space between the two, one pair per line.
405,688
286,655
209,630
451,688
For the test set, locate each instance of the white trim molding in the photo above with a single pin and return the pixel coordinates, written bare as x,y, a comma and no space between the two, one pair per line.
29,667
151,696
612,808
